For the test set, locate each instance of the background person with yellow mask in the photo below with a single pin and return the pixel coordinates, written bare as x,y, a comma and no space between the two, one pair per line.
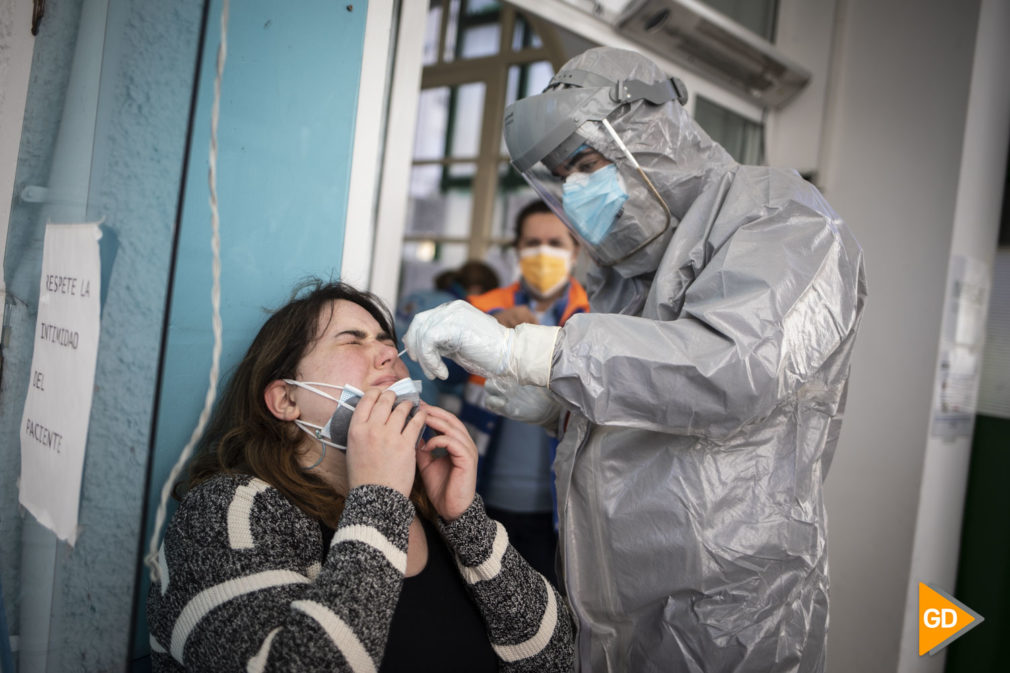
514,476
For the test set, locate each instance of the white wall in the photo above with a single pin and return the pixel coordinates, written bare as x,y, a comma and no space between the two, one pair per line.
793,133
913,152
976,224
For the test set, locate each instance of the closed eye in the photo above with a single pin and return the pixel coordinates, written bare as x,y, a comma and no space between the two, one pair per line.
356,337
351,336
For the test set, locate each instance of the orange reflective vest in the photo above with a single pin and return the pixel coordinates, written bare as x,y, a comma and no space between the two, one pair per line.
482,423
494,301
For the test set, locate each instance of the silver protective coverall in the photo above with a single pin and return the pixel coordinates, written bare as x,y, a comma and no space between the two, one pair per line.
705,392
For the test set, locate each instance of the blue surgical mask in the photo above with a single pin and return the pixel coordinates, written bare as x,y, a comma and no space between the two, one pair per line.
592,202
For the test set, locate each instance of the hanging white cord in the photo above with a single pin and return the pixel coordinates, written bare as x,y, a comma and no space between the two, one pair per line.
151,560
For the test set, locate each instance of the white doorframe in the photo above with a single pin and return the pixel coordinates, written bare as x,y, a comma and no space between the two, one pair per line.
369,119
391,213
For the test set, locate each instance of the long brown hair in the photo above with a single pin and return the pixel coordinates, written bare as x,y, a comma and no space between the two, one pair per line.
245,437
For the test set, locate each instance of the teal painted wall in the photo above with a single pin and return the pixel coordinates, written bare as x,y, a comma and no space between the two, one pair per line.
131,65
289,94
287,123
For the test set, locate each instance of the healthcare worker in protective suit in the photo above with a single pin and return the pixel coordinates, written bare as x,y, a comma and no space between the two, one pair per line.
699,404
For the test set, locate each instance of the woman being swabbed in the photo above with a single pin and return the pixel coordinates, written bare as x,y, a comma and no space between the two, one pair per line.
320,530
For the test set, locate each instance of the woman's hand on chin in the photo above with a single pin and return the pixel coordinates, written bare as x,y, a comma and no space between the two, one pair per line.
450,480
381,441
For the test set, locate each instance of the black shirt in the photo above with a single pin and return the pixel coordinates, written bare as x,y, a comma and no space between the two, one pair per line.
436,625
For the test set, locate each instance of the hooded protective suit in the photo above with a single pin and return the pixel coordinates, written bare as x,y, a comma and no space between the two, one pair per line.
703,394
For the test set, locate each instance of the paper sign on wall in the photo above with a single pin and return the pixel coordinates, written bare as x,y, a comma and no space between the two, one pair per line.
961,348
54,426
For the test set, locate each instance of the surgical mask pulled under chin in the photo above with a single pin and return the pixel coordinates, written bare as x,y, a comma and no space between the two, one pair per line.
334,433
545,268
592,202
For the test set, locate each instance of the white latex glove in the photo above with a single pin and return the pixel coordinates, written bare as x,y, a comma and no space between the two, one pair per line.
480,345
529,404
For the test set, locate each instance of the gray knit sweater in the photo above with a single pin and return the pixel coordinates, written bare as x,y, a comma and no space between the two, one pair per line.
242,588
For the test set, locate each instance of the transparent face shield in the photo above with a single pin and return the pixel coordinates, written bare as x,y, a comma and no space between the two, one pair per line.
597,187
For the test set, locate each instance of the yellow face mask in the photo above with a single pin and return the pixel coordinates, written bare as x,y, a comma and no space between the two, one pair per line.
545,268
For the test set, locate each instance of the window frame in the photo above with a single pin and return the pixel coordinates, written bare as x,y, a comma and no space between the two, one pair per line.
492,71
407,81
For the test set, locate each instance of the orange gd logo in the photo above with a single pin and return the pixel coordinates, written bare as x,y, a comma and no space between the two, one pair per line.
942,619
